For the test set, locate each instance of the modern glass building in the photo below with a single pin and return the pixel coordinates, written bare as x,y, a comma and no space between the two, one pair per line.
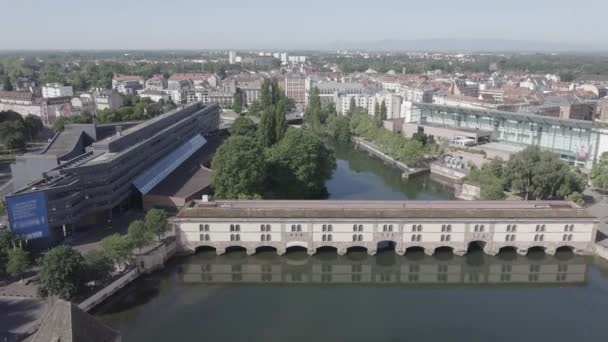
579,142
111,174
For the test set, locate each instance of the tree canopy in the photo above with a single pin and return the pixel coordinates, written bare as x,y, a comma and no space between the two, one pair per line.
62,273
156,222
243,126
139,235
239,169
599,173
537,174
18,262
300,165
117,248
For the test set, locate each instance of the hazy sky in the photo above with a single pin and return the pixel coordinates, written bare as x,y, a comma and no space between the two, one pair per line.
192,24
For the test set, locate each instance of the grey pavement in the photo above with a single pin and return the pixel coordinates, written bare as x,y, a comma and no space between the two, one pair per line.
600,210
20,316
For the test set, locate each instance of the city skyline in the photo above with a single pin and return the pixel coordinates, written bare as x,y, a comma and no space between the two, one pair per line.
66,24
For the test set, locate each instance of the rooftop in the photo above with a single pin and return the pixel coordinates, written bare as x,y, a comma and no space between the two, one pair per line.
384,209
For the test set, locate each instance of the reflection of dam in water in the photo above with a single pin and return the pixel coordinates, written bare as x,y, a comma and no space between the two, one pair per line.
385,269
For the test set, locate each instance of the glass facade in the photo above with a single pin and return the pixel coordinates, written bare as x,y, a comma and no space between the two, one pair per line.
161,169
574,140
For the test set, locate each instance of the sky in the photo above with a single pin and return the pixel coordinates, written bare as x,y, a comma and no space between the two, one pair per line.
305,24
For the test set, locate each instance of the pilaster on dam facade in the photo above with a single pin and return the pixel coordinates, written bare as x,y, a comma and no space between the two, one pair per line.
455,225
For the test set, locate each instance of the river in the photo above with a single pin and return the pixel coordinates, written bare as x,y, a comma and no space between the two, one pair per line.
357,297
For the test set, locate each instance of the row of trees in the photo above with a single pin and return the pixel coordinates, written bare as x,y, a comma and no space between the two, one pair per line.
16,130
532,173
410,151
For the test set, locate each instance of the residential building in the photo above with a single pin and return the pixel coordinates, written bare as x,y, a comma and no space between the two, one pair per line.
51,90
26,103
108,99
156,83
373,102
330,91
127,84
232,57
567,107
154,95
295,87
197,79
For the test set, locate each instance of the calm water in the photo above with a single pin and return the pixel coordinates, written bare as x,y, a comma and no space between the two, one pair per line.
357,297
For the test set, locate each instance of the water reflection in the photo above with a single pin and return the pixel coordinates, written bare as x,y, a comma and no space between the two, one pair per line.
386,268
361,176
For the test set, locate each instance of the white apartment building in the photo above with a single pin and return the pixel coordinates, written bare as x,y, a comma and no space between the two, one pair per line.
51,90
371,101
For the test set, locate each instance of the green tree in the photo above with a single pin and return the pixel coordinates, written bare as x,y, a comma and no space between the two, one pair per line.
156,222
8,242
491,188
6,83
117,248
33,126
2,207
280,123
255,108
577,198
99,267
139,235
267,129
353,106
83,118
300,164
12,135
339,129
238,169
18,262
243,126
538,174
599,173
62,273
237,102
383,110
266,99
59,124
313,113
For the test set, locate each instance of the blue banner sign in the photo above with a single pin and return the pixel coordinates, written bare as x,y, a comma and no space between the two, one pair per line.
28,215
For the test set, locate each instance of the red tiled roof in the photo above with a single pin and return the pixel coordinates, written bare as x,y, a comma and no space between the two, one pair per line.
17,95
119,77
194,76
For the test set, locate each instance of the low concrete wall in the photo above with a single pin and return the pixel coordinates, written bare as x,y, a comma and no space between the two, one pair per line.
601,251
446,172
109,290
373,149
154,258
469,192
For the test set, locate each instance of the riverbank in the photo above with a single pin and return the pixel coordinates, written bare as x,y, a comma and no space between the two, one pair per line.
376,151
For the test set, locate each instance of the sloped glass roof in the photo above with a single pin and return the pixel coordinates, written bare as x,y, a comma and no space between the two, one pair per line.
155,174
